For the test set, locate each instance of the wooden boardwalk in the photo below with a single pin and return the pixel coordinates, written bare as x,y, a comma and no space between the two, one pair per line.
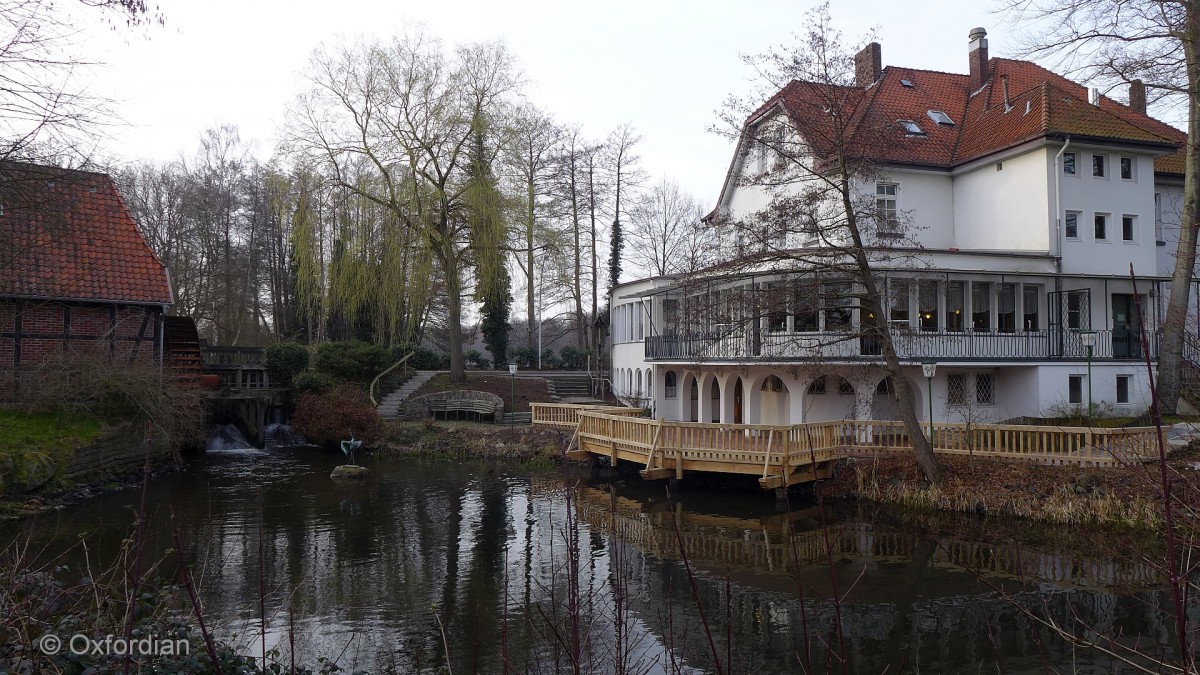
798,453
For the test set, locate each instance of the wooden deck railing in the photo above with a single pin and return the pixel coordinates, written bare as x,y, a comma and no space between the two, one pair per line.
566,415
794,453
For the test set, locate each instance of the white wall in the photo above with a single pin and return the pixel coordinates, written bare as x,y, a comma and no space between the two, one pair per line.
926,205
1116,197
1005,210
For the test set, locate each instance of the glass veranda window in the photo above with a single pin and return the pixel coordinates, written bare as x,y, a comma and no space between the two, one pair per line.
1030,302
805,303
838,305
955,305
981,306
927,305
1007,314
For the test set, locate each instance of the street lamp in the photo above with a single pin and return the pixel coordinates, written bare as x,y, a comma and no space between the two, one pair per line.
1088,338
512,397
929,369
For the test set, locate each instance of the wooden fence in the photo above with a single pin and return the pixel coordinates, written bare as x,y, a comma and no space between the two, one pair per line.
566,415
784,455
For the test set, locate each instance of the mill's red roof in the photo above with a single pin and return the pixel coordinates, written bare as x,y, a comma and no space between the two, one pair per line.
69,235
1040,104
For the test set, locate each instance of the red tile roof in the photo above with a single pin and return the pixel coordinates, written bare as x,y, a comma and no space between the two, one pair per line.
69,235
1041,104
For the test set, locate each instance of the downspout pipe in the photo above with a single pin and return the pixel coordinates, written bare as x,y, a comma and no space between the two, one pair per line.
1058,206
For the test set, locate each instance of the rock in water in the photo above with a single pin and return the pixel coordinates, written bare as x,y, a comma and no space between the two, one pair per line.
350,472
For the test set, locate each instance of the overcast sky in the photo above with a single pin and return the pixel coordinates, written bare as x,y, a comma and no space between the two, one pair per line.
664,66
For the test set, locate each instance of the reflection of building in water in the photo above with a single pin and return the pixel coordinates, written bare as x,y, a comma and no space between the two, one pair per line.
911,605
763,545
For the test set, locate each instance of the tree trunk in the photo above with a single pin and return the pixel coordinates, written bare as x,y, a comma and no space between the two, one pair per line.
448,257
874,306
529,299
1171,353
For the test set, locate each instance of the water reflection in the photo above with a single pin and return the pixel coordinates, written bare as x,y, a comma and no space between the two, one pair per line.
429,561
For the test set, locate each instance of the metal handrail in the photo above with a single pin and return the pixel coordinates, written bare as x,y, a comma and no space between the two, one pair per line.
385,372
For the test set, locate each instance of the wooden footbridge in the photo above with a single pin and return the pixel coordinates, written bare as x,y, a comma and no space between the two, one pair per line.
786,455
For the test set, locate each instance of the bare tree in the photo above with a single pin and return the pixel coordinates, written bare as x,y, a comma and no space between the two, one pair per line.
807,149
666,235
1155,45
621,161
530,148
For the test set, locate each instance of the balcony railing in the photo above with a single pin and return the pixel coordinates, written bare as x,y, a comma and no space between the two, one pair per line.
744,345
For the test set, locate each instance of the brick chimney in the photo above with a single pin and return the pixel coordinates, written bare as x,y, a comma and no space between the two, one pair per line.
868,65
977,55
1137,96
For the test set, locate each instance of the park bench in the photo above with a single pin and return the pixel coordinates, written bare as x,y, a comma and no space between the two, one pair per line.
465,402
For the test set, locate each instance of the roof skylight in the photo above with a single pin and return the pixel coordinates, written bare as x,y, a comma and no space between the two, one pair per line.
940,117
906,83
911,127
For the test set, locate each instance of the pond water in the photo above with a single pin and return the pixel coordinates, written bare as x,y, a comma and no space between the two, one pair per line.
491,565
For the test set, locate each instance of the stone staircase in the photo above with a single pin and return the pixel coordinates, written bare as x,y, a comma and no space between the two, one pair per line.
389,407
570,386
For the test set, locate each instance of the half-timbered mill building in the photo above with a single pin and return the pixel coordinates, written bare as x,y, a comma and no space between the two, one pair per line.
76,275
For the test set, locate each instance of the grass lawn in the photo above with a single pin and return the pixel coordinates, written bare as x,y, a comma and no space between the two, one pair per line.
528,390
45,431
33,448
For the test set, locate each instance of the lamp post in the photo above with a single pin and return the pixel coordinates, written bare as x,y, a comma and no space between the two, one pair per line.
512,397
1088,338
929,369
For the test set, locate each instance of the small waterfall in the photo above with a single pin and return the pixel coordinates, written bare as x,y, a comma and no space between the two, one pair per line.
283,436
228,440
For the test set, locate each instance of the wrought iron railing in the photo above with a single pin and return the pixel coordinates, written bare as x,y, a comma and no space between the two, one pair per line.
915,345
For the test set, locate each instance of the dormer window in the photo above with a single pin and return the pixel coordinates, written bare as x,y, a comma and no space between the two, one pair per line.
911,128
940,117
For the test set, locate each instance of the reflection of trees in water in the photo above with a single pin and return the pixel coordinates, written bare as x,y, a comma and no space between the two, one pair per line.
365,564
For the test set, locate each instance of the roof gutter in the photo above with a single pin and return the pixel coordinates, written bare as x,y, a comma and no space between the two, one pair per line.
1057,206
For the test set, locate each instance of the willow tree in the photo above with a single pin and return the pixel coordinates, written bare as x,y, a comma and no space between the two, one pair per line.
406,109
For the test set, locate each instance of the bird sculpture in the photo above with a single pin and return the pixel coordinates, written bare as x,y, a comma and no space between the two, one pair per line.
348,448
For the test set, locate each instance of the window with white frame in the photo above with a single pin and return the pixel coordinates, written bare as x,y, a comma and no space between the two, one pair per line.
1006,309
1099,166
956,389
809,230
1122,390
1127,168
1128,228
1100,224
985,389
955,305
927,304
1075,389
1029,302
981,306
899,301
1071,225
1068,160
886,210
670,385
1158,221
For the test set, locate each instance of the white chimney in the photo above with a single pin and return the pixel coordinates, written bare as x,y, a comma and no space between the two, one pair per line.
1094,97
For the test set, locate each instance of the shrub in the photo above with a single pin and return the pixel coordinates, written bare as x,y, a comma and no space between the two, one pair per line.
311,380
474,357
352,360
525,357
573,358
426,359
286,360
91,386
336,415
550,361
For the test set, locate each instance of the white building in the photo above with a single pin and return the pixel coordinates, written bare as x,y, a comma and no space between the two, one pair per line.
1029,199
